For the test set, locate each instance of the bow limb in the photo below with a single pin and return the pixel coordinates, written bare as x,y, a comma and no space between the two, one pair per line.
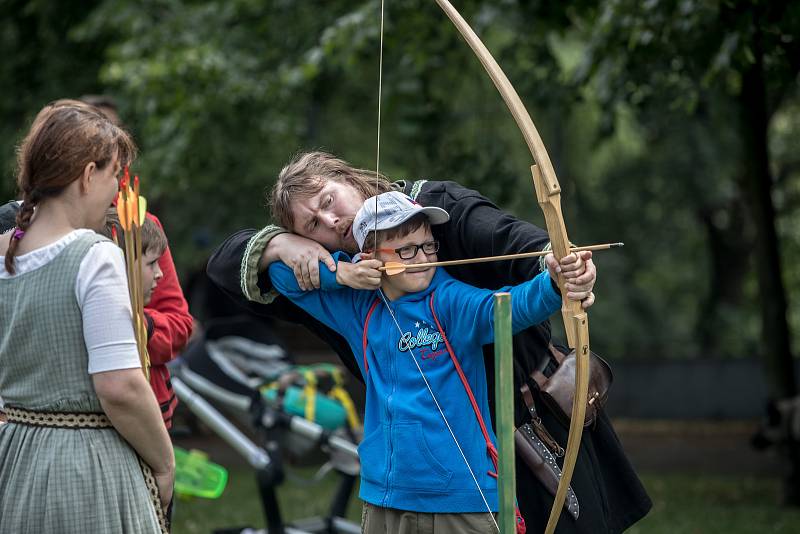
548,192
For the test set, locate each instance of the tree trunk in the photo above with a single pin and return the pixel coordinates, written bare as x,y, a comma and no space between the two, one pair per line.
725,278
757,186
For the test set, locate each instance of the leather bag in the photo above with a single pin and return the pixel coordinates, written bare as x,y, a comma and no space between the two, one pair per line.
558,390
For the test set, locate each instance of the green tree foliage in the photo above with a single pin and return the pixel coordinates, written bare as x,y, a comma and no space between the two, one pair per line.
636,103
728,67
221,94
708,77
40,62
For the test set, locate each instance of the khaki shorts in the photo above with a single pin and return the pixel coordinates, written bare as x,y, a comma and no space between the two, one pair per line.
378,520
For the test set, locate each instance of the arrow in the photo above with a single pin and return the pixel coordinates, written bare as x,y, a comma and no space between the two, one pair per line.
393,267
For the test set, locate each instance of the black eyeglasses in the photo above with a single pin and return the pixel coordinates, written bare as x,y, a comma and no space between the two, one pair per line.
410,251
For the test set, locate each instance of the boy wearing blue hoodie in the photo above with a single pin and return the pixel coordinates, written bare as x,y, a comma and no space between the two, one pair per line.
428,457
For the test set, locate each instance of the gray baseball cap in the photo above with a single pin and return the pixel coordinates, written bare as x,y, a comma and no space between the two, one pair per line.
393,209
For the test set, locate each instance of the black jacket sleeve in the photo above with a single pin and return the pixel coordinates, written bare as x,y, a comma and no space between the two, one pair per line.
225,263
477,227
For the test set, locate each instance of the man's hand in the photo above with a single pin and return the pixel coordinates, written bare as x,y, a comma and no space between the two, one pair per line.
361,275
579,274
301,255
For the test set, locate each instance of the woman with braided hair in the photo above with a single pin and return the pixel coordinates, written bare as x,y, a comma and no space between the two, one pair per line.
84,449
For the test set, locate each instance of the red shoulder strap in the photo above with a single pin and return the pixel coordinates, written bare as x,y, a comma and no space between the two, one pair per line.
364,335
465,383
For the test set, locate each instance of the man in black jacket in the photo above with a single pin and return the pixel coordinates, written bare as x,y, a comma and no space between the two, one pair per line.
317,196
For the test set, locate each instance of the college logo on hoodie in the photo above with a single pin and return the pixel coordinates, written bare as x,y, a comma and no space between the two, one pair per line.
427,340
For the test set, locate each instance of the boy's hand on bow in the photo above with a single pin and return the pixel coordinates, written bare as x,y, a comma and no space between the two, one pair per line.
361,275
579,274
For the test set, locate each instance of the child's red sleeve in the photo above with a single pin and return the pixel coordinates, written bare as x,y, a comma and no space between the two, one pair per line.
169,312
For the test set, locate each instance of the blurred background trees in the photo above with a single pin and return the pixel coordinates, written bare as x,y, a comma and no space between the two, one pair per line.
672,124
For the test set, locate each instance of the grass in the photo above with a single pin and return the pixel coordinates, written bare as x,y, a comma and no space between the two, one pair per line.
239,505
682,504
715,504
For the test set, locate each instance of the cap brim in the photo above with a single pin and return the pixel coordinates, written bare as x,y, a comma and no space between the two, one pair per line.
436,215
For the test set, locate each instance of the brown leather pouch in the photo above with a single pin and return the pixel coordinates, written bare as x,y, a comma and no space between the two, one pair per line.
558,390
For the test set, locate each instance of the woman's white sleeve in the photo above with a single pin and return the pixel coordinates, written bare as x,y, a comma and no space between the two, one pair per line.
102,293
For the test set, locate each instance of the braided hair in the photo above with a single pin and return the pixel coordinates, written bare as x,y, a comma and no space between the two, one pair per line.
65,136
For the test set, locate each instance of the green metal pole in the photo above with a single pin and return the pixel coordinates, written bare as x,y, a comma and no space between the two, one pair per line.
504,407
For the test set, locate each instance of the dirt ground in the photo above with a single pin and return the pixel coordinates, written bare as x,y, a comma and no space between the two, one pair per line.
706,447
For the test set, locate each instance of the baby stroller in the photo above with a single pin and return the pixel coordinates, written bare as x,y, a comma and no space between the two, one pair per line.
295,411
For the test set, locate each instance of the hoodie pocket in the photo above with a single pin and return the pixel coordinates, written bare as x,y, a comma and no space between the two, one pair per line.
372,455
417,465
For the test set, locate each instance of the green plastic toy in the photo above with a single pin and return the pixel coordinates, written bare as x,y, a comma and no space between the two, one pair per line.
196,476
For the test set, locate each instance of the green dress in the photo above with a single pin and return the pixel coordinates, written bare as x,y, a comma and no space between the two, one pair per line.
60,479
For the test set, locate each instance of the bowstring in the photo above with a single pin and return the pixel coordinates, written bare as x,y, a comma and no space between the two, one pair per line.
386,301
378,149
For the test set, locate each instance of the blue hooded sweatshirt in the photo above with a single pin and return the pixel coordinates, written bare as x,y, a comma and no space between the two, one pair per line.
409,460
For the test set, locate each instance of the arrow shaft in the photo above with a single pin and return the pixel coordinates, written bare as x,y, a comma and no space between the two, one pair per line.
485,259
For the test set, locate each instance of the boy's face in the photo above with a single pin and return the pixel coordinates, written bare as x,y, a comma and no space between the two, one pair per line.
411,280
151,273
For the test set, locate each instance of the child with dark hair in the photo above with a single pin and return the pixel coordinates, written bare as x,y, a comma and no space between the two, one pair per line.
418,338
84,448
154,243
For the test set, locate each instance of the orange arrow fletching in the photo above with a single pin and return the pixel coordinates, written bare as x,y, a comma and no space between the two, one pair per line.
122,212
129,207
391,268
